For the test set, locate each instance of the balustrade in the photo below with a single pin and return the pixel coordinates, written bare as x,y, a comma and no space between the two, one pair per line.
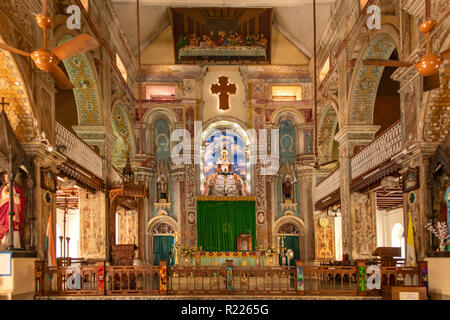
329,185
103,280
78,151
374,154
378,151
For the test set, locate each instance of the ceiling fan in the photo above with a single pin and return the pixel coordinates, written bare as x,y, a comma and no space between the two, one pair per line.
48,60
428,66
316,165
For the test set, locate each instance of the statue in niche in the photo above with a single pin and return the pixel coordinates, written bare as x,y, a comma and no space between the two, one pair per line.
162,183
162,189
287,188
18,207
288,184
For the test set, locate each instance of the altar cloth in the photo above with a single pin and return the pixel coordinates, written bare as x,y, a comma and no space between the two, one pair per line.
242,258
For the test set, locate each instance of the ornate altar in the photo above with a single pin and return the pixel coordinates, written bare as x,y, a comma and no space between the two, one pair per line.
224,182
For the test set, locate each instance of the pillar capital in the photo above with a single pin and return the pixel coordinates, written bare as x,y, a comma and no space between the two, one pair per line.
353,135
356,134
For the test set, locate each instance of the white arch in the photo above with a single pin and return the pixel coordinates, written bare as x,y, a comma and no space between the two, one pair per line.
211,127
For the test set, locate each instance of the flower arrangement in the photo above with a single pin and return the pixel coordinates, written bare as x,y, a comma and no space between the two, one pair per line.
440,230
188,252
270,251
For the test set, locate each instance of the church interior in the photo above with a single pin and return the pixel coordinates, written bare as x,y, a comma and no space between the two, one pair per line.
288,148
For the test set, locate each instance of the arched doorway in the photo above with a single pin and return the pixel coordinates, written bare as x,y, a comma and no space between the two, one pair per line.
289,238
162,240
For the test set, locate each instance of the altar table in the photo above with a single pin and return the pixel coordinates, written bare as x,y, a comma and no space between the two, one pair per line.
242,258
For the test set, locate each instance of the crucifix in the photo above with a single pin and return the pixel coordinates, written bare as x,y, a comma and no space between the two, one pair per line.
223,89
3,104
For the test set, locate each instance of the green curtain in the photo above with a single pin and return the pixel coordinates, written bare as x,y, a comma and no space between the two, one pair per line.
292,242
162,245
219,224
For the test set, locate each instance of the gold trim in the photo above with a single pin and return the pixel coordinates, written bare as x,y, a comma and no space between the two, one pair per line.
225,199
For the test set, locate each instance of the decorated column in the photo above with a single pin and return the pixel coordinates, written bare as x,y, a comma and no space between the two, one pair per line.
350,137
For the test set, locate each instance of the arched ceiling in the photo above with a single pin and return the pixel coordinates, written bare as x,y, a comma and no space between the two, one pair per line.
293,18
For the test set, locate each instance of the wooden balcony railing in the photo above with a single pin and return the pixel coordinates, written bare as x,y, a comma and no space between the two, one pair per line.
378,151
101,280
373,155
328,185
78,151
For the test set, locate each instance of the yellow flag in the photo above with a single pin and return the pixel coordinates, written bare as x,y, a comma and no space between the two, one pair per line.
411,259
50,243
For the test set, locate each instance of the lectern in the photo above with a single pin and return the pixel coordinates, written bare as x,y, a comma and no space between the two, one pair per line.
387,255
244,242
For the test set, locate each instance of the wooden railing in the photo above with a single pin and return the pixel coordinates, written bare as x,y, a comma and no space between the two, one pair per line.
339,280
78,151
374,154
101,280
328,185
378,151
132,281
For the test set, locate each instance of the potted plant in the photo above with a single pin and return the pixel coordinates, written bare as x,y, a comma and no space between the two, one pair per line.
440,230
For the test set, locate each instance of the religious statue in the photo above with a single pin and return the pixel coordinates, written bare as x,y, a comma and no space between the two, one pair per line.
223,164
18,207
162,189
288,189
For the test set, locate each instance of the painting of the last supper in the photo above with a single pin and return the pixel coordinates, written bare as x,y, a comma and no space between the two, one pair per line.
222,35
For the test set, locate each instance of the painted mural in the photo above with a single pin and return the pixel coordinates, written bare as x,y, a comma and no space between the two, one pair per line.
222,34
92,225
324,232
86,90
327,128
363,222
13,90
410,116
124,146
127,224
